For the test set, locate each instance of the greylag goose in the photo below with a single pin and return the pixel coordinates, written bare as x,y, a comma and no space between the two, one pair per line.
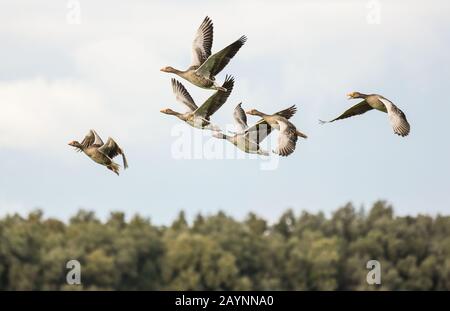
199,117
93,146
397,118
247,138
288,133
205,66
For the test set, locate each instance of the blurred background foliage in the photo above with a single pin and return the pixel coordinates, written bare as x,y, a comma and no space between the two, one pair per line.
305,252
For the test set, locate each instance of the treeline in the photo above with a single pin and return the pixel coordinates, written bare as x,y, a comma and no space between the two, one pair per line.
299,252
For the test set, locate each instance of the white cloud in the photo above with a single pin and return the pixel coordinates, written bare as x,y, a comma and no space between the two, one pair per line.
38,113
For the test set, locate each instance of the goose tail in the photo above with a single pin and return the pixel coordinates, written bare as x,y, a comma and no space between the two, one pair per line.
114,167
300,134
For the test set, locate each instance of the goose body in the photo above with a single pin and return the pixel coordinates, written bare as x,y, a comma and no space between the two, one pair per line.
288,133
243,142
247,138
397,118
101,153
205,66
199,117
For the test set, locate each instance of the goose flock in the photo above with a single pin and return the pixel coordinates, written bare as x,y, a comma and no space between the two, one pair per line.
202,73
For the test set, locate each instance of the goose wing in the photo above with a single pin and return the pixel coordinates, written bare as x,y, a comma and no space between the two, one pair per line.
112,149
288,112
213,103
258,131
92,139
215,63
357,109
201,46
397,118
287,138
240,118
182,95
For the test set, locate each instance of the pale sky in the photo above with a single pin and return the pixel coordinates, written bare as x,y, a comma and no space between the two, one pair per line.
62,73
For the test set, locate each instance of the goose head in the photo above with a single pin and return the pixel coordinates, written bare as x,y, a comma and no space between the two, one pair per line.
353,95
168,111
168,69
76,145
254,112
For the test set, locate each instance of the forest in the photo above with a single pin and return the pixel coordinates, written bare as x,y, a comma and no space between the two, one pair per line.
308,251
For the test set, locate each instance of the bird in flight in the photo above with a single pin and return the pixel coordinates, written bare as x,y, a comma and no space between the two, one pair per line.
204,66
248,138
199,117
101,153
397,118
288,133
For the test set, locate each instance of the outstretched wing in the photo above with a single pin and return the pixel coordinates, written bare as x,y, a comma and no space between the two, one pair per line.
240,118
92,139
397,118
182,95
357,109
288,112
112,149
213,103
201,46
215,63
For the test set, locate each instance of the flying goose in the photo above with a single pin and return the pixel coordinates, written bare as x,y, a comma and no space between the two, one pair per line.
205,66
397,118
198,117
93,146
247,138
287,138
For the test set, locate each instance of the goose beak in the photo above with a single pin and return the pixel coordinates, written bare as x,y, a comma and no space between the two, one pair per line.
349,96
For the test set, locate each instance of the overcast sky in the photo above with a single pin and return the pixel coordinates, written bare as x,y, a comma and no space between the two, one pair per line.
68,66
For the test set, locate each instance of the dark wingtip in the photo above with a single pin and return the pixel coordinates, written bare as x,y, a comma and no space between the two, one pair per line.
177,85
229,83
174,82
229,78
207,19
322,122
243,39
